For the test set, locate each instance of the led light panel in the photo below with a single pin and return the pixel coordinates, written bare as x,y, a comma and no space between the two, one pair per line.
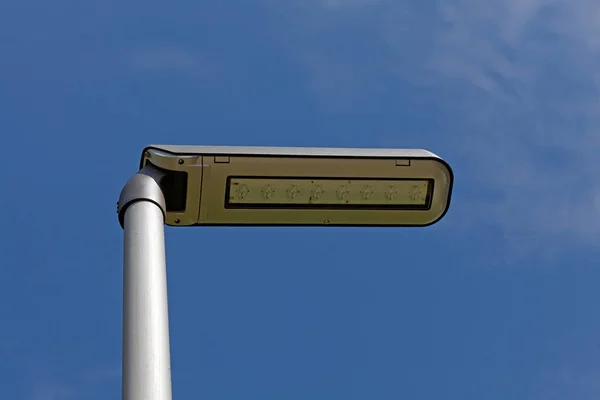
331,193
293,186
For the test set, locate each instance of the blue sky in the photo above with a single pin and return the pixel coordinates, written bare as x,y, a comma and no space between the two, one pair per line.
497,301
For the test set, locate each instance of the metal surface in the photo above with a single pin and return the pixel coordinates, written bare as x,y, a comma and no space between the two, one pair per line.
192,166
142,186
146,352
209,168
291,151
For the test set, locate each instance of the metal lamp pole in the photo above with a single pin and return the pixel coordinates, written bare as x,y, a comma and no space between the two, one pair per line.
146,350
414,189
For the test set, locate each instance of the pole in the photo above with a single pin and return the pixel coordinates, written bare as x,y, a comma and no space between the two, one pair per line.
146,352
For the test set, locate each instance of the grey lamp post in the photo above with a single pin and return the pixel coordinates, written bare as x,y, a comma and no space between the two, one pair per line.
252,186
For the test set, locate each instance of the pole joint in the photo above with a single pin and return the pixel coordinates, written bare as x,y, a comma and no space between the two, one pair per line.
143,186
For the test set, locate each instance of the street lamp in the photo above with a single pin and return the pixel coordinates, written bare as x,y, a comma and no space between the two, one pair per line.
252,186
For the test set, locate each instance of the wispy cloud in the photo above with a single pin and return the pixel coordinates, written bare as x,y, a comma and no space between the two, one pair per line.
530,71
347,3
518,78
90,384
168,59
102,374
52,391
568,382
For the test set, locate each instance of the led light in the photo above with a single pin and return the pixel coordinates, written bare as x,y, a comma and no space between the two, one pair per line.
342,192
391,192
250,192
417,193
293,192
267,192
318,192
242,192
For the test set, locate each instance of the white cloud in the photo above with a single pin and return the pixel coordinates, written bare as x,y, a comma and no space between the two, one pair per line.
520,79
